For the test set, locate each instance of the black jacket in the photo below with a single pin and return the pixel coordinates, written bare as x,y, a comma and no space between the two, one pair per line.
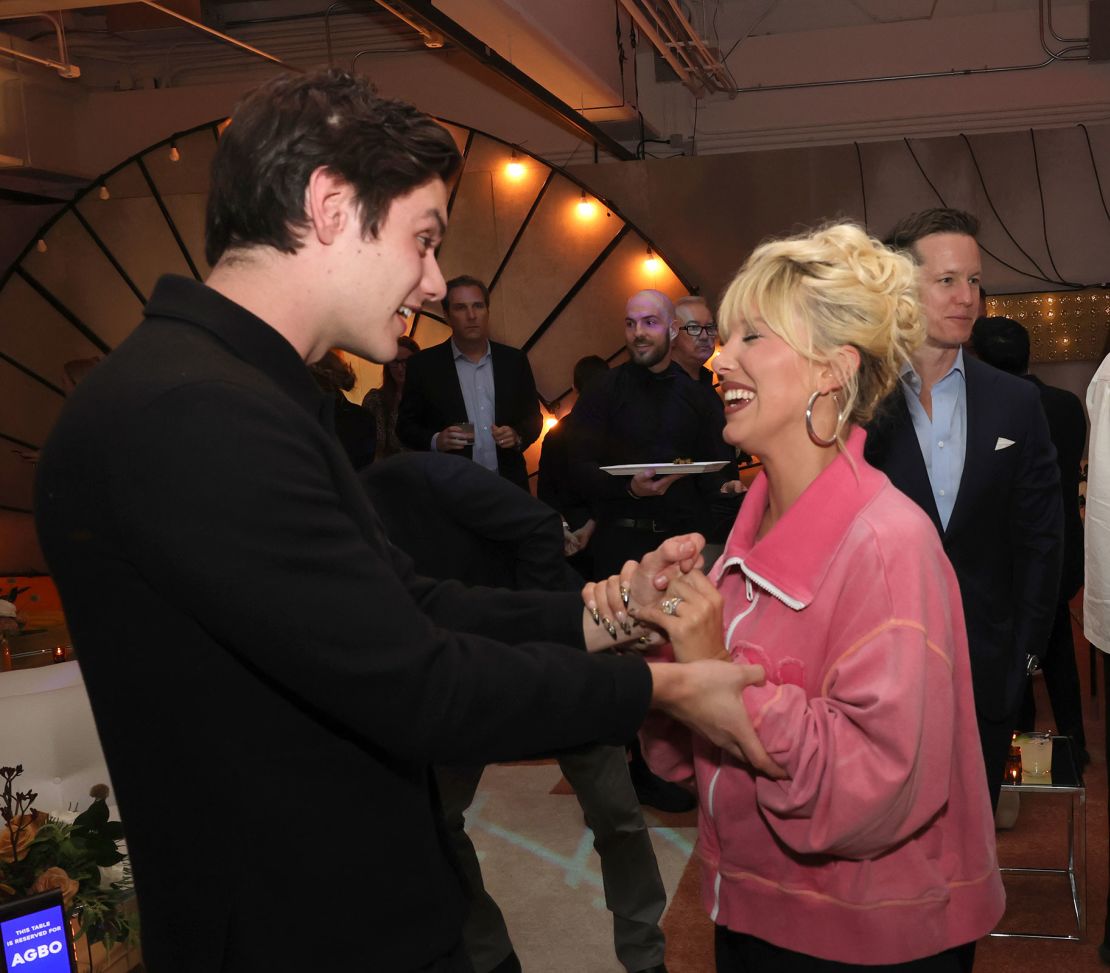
269,677
1067,425
432,401
1004,535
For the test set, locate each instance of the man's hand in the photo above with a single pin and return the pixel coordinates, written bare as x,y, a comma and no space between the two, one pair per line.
706,697
451,438
570,542
733,487
584,533
647,484
505,436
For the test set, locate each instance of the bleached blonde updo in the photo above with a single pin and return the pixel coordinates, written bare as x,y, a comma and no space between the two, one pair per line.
836,286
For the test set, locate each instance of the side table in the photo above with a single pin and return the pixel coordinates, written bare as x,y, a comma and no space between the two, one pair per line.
1064,779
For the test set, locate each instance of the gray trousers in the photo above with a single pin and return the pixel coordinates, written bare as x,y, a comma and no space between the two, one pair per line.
633,888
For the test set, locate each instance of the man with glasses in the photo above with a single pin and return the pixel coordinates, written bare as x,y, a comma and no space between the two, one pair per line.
696,340
648,411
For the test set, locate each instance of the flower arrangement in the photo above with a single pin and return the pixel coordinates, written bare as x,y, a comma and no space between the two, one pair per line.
39,853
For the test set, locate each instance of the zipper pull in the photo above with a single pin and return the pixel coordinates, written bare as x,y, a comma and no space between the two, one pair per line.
748,587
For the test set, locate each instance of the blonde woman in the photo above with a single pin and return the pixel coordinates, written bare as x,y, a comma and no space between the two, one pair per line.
874,847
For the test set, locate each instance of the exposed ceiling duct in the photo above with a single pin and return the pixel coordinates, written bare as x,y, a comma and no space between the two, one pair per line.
666,25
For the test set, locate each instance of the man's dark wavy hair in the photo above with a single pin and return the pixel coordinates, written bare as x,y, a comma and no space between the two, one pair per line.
927,222
284,130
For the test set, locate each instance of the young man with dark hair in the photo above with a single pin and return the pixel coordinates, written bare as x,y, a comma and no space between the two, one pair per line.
471,395
969,444
270,679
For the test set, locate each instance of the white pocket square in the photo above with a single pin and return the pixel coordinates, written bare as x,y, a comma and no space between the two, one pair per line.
1002,443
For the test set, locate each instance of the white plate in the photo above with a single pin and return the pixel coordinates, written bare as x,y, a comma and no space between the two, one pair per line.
632,469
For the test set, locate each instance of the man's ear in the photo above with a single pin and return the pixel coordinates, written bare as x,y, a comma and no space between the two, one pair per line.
329,204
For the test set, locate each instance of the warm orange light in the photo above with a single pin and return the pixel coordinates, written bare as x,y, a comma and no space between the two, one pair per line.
550,423
586,208
515,168
175,155
652,264
103,193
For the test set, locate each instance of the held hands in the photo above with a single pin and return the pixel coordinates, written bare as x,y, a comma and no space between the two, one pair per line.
647,484
639,584
690,614
706,696
452,438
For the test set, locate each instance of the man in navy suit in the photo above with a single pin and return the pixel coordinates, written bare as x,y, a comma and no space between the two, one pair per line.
970,445
471,380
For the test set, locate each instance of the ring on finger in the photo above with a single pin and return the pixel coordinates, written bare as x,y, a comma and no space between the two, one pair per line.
670,605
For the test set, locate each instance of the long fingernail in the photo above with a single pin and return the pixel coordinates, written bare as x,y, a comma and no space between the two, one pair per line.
610,627
644,639
596,616
627,628
624,594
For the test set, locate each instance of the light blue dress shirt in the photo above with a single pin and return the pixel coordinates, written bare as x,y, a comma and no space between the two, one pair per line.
476,382
943,438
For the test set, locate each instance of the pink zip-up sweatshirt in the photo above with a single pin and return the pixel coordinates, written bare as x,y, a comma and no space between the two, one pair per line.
879,846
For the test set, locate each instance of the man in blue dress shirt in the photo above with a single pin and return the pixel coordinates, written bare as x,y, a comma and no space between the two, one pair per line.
970,445
470,395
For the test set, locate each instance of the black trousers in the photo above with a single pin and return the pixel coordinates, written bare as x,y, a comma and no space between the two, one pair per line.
1061,678
738,952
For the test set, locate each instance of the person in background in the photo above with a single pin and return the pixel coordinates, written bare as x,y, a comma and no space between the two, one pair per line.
1096,530
382,402
648,410
554,484
696,339
353,427
970,446
873,846
471,380
1004,343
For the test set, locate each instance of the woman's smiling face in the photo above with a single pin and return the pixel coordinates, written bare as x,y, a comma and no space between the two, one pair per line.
765,385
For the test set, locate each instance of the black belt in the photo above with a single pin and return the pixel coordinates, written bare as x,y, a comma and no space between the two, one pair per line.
655,526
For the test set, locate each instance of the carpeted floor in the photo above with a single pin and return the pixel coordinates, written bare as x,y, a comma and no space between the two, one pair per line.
539,865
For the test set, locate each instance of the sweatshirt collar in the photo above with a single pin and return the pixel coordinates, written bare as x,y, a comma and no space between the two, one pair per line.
792,559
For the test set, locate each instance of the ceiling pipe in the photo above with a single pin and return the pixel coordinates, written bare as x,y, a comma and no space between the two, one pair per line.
713,66
432,39
475,47
64,67
649,31
227,39
1066,54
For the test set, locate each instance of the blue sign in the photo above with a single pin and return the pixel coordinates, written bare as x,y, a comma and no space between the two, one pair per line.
36,942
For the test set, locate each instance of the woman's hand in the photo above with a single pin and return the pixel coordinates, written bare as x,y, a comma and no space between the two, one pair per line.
690,614
639,583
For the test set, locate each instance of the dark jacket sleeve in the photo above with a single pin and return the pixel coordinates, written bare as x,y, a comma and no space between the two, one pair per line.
1036,534
526,418
416,419
270,554
588,446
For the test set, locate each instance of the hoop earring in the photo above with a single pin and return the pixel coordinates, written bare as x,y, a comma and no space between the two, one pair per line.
814,438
